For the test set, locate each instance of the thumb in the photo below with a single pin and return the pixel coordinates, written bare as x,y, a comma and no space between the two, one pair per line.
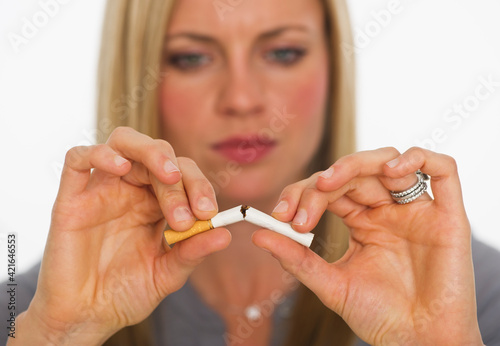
323,278
178,263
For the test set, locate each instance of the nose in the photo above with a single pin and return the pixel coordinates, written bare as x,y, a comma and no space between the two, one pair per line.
241,94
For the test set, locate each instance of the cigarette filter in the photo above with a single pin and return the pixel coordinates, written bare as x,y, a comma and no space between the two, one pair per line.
237,214
172,236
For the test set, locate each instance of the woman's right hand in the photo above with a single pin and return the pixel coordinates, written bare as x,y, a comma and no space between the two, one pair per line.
106,264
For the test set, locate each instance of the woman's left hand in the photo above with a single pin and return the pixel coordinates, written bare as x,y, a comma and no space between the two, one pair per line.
407,276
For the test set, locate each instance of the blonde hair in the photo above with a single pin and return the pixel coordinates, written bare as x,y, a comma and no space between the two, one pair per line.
129,72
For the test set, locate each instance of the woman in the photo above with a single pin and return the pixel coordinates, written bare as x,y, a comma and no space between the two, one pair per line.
247,114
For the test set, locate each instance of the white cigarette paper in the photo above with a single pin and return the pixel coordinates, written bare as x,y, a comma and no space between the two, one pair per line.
228,217
266,221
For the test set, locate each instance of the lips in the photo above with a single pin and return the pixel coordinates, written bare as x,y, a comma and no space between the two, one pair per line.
245,149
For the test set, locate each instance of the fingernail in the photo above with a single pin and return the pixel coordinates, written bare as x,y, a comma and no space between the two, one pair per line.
169,167
205,204
327,174
282,207
393,163
120,161
300,218
182,214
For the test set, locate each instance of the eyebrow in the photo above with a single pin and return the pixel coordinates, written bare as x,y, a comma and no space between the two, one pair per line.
265,35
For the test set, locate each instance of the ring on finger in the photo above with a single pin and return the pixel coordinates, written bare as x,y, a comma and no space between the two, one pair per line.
414,192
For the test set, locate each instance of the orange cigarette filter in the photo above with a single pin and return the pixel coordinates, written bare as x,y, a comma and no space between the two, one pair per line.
173,237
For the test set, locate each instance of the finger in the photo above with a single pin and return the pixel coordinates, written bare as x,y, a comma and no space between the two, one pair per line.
312,203
401,184
345,207
156,155
200,192
311,206
175,266
443,170
193,196
361,164
324,279
138,175
174,204
80,160
369,191
289,199
162,171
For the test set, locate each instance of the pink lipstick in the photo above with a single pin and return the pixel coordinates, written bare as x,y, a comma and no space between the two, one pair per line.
245,149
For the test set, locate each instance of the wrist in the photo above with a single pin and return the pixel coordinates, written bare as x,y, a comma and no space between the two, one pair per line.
31,330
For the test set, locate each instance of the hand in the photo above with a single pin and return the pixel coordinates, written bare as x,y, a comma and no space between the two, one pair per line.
407,276
106,264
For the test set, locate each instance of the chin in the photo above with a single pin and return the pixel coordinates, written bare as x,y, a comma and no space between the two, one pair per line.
244,195
250,189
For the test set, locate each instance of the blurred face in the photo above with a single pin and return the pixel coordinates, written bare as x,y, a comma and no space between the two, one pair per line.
244,92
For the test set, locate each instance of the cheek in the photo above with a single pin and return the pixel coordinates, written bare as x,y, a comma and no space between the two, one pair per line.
311,94
174,102
181,120
308,101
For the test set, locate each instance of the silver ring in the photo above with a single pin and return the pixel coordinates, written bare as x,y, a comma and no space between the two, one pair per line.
414,192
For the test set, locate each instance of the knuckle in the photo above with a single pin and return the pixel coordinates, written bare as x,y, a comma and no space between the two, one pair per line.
121,131
349,160
163,146
353,185
392,150
75,155
154,151
100,149
312,195
450,163
310,190
188,258
416,155
186,161
203,186
352,163
306,266
292,268
291,190
208,190
174,196
119,134
415,149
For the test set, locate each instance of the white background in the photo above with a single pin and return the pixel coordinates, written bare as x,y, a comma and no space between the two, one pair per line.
412,68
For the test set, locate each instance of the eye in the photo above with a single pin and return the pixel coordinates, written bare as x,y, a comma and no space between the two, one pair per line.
188,61
285,56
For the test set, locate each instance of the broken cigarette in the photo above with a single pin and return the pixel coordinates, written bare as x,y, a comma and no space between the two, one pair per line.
237,214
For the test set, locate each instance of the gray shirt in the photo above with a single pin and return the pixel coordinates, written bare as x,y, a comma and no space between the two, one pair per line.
192,323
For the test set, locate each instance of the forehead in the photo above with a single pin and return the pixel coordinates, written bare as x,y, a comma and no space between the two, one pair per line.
239,18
